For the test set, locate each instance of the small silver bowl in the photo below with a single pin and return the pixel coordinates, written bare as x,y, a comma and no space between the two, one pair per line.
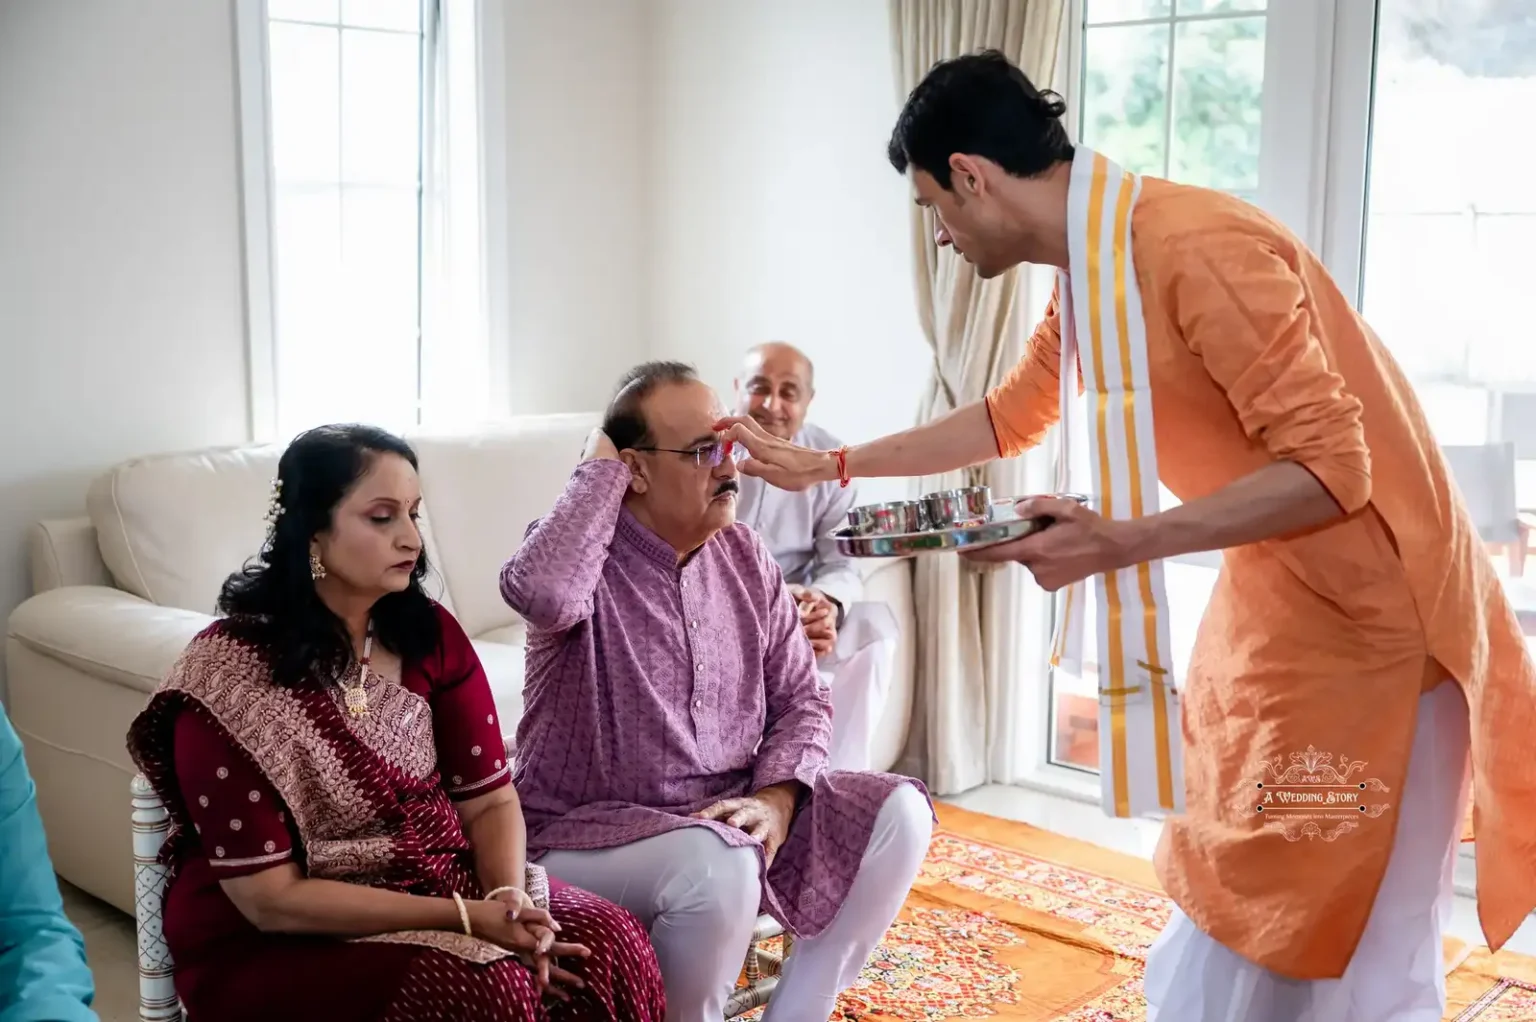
1005,510
894,519
964,506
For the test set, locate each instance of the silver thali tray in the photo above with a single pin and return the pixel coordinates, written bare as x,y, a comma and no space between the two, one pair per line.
999,527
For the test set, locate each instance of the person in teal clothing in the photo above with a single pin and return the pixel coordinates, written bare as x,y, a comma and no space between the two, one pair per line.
43,975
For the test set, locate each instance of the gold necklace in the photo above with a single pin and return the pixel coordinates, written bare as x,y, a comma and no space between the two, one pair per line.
356,697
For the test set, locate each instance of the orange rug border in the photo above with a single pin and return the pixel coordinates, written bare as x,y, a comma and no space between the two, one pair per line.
1064,851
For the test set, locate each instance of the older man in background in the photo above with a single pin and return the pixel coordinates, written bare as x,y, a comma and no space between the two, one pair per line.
854,642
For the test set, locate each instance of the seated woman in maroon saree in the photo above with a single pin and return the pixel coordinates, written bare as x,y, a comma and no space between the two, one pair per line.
322,829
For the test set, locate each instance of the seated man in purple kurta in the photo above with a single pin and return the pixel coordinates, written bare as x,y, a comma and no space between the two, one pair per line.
672,754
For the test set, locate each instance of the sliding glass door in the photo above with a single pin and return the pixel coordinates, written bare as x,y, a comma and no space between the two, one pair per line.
1395,138
1448,253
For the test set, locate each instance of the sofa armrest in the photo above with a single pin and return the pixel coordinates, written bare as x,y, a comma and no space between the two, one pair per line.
63,552
106,633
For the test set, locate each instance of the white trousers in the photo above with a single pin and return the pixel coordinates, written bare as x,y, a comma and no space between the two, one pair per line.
700,897
858,674
1397,972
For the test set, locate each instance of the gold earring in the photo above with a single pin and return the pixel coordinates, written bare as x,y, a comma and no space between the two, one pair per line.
316,569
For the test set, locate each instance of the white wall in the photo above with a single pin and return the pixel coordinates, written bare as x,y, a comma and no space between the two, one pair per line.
776,215
686,178
120,301
578,134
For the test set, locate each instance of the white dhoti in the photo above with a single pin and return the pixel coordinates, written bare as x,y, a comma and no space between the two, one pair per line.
1397,973
858,674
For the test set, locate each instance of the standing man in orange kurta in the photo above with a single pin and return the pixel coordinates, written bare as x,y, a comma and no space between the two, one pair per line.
1356,612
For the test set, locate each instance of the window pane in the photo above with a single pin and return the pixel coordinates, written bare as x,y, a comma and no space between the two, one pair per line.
400,15
307,259
346,307
1075,720
379,257
379,271
1446,240
379,107
1503,299
1218,97
1416,304
306,103
1126,10
1075,701
1446,278
303,10
1219,6
1125,95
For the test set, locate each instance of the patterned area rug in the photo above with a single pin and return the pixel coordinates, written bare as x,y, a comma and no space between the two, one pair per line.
1015,924
1492,988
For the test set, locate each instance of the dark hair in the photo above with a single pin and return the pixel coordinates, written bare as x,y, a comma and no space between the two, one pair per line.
624,421
272,601
979,105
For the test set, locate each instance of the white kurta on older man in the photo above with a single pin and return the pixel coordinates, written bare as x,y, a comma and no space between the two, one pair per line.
796,527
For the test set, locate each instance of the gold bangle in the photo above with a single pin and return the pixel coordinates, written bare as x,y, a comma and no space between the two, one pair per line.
501,890
463,914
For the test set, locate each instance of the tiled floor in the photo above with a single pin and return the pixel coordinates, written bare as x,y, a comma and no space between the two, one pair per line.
109,938
112,952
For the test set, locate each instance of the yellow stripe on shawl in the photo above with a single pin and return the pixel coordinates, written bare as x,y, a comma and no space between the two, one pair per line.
1133,462
1116,652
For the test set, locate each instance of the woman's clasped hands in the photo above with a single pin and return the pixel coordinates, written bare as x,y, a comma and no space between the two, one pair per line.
511,920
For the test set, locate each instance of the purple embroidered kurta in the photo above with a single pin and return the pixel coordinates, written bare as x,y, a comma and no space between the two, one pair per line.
655,689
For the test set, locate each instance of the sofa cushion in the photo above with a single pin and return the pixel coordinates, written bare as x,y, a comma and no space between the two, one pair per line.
504,669
173,527
484,488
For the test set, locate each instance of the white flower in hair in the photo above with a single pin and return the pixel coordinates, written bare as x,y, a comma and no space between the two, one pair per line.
274,508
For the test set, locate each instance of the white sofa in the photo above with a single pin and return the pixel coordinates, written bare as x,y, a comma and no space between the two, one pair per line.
119,591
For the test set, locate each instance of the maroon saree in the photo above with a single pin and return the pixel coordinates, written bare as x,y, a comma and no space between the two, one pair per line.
254,776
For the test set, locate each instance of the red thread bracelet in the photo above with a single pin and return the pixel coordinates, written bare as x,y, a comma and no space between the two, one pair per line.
841,454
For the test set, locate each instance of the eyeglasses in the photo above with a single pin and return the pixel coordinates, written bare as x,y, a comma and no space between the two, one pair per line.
710,454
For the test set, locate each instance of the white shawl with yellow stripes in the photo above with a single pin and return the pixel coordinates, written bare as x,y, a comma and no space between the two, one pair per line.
1140,750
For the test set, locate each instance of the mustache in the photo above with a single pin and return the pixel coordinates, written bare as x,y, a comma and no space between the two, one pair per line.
729,486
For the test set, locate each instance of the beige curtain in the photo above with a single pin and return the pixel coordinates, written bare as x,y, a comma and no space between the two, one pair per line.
968,621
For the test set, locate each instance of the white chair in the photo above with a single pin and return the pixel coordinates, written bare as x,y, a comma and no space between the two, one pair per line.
1485,475
151,826
1515,423
762,969
157,991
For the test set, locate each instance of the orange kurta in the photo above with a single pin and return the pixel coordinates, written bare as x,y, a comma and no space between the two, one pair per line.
1321,640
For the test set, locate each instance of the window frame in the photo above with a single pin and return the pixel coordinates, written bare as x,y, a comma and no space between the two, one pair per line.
258,226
